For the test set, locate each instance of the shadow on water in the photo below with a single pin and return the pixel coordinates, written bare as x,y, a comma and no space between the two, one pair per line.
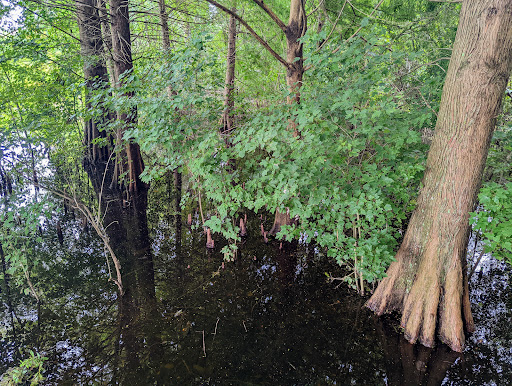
268,318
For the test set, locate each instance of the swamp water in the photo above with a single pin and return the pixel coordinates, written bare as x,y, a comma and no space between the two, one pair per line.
269,318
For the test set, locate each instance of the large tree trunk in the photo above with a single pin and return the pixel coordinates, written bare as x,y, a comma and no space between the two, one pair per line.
428,281
123,62
96,161
124,210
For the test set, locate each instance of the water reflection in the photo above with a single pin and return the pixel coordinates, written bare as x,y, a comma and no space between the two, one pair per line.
408,364
268,318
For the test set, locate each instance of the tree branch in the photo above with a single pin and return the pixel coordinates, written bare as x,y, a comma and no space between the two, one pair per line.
370,15
272,15
251,31
316,9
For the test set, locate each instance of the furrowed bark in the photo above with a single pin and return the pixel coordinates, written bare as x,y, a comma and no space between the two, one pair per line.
123,63
97,155
427,283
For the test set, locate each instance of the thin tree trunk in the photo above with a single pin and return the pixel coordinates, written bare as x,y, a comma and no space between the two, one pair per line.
428,281
164,25
229,90
296,28
166,45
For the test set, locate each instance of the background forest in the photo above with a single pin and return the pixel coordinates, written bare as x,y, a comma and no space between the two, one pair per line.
204,119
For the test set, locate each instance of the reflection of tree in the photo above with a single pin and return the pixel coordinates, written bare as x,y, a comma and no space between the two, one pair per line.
7,290
266,320
139,319
138,344
274,327
488,357
409,364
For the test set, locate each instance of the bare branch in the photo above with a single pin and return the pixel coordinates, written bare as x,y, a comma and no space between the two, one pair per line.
316,9
252,32
333,27
272,15
370,15
433,62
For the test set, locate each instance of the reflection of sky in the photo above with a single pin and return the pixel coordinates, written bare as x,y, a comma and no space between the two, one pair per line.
488,355
262,271
260,331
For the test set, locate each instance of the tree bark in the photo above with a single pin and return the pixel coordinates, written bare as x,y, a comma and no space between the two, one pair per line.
123,63
229,90
164,25
296,28
428,281
281,219
96,161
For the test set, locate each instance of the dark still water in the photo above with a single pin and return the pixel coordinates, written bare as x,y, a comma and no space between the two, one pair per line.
269,318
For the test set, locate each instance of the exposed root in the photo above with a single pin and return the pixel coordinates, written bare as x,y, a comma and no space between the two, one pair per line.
382,300
433,297
209,241
280,220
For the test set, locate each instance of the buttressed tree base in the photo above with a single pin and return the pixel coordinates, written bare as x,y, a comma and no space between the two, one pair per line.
428,281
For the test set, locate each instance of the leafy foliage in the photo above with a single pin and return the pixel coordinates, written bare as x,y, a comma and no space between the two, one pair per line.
494,220
29,371
494,215
351,177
